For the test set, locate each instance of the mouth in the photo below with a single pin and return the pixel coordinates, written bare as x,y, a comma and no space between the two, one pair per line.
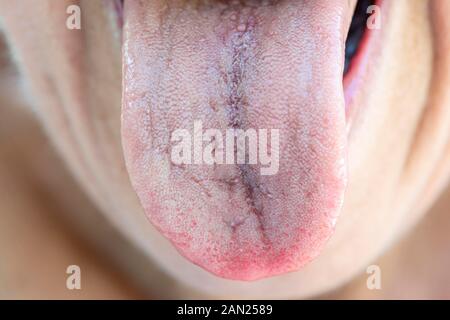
288,67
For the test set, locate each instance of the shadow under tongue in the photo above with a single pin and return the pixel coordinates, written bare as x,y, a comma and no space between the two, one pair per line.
268,70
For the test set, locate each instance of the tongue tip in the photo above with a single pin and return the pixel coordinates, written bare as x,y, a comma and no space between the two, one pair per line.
256,261
251,263
254,268
242,255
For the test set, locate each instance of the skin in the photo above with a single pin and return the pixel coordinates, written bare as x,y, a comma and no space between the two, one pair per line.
398,149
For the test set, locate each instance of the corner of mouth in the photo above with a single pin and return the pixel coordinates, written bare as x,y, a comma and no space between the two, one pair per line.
359,56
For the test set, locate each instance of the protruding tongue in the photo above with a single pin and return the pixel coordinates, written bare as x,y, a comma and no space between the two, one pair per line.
259,66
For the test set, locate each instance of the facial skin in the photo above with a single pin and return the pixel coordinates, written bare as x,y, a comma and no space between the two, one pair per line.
397,142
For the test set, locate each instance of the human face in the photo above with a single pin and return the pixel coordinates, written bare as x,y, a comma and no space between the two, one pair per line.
360,157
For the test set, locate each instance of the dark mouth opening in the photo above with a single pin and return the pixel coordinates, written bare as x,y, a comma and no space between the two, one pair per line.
356,32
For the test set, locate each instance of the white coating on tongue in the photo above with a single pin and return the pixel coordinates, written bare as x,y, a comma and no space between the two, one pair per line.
233,66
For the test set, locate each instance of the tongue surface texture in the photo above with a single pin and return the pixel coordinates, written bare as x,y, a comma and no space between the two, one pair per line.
239,65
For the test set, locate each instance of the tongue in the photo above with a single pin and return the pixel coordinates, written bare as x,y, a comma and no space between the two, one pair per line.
199,65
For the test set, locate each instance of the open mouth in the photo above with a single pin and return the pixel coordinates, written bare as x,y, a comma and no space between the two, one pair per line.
253,67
